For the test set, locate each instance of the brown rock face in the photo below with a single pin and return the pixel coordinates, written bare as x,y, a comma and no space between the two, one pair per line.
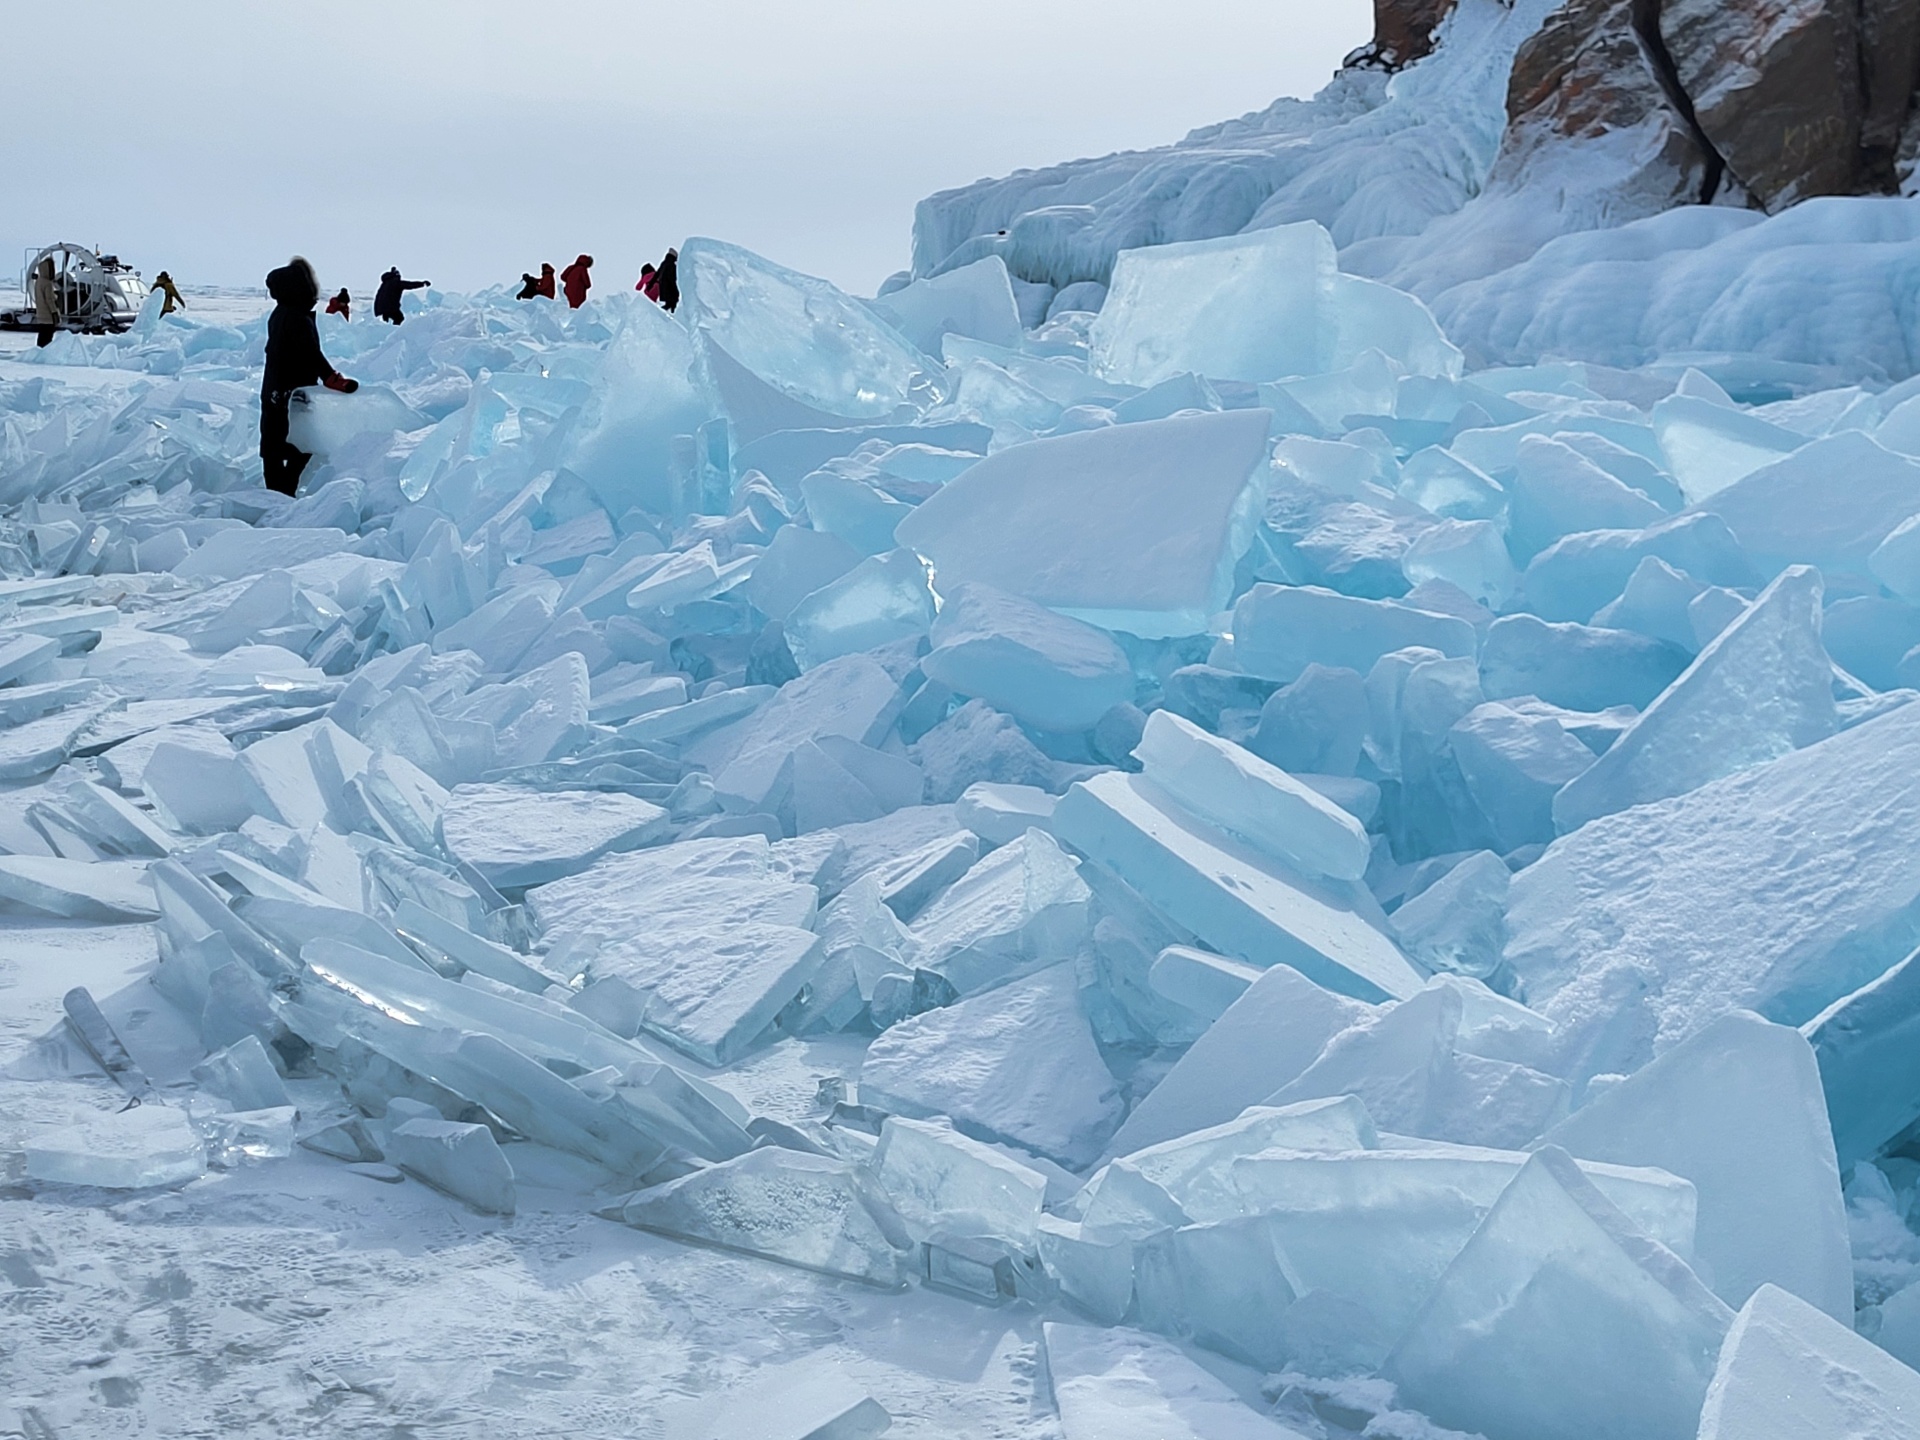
1771,100
1586,74
1775,88
1403,31
1890,70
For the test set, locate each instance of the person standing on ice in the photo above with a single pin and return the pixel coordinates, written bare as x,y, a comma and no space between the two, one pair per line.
46,301
546,282
163,282
386,300
341,305
576,281
668,279
293,360
529,287
649,285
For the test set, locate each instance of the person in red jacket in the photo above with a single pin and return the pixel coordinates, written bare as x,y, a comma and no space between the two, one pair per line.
649,285
544,287
341,305
576,281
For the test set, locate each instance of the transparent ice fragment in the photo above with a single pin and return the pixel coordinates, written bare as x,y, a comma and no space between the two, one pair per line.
1017,909
810,1399
1407,1064
1470,554
1223,1285
940,1180
797,335
1316,725
1278,631
130,1149
852,696
517,837
1458,924
1863,1042
882,599
1016,1064
1739,1110
1577,666
799,561
244,1075
1789,1372
973,300
1200,981
1558,491
1618,1336
113,890
1440,482
1245,795
1235,899
1789,512
1762,687
1130,527
242,1137
1514,764
1709,447
1123,1385
1021,658
463,1160
1262,1041
807,1210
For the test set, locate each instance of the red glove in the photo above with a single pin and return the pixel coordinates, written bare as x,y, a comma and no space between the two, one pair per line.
341,383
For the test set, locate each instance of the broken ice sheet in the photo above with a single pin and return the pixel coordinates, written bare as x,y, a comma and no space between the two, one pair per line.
811,1211
1123,1385
130,1149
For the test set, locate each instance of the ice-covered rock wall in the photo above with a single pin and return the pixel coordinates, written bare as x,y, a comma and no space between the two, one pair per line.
1441,168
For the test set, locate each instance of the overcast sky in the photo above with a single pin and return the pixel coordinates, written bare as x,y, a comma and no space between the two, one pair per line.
467,140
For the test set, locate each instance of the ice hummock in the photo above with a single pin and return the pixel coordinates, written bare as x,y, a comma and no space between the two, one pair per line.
1159,821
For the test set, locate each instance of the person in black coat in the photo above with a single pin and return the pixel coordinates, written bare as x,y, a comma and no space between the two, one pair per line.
386,300
293,360
668,276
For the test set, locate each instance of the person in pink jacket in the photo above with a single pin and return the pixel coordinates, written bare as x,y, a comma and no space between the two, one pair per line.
649,285
576,281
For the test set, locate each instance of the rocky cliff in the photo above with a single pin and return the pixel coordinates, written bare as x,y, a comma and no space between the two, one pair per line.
1766,102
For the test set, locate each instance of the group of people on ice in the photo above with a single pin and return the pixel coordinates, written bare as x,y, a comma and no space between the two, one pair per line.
659,283
386,300
295,360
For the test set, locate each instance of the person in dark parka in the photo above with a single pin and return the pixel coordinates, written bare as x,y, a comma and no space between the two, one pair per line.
293,360
529,287
576,280
668,277
386,300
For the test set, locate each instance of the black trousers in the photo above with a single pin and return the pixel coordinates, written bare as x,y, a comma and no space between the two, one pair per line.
281,462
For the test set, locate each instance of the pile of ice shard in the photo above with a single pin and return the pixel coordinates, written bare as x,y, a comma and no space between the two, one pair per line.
1399,877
